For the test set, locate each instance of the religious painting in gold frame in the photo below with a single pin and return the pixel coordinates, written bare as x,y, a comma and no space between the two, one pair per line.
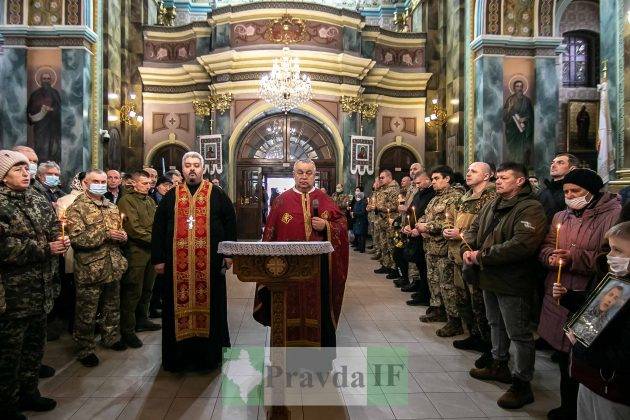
582,124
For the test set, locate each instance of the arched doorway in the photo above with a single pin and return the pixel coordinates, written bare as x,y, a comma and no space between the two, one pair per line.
398,160
168,157
265,157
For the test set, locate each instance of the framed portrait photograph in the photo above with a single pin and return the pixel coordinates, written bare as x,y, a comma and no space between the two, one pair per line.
582,124
601,307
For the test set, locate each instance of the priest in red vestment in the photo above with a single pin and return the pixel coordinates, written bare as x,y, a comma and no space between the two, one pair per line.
189,223
305,213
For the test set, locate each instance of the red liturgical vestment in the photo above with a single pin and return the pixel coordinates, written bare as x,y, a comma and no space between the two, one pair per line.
314,306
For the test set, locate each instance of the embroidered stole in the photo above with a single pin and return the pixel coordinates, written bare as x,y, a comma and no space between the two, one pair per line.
306,211
191,262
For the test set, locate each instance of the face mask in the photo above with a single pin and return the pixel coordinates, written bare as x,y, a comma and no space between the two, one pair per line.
98,189
359,196
618,265
32,169
577,203
51,180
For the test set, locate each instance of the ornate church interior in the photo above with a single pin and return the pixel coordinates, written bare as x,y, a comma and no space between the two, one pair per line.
357,86
139,83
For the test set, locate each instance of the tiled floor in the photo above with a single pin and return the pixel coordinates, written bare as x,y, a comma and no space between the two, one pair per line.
131,385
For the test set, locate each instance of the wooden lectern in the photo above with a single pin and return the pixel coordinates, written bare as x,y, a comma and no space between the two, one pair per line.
277,265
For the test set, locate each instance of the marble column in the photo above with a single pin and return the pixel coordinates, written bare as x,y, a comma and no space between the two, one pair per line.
76,90
546,113
13,99
223,126
489,109
612,16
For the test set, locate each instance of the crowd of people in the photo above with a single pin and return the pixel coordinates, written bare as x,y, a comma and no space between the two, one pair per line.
504,260
79,262
490,254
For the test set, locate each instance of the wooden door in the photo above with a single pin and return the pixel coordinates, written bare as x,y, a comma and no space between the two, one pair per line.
249,202
168,157
398,160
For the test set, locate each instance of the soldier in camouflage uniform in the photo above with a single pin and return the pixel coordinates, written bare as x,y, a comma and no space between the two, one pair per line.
438,216
29,243
386,208
341,199
372,217
94,227
137,284
472,309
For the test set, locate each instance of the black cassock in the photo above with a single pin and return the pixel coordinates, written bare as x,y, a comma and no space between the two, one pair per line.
197,353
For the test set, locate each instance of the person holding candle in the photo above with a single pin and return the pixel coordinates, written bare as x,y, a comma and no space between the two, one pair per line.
505,237
65,304
415,246
472,309
30,243
385,208
601,369
93,227
439,268
579,240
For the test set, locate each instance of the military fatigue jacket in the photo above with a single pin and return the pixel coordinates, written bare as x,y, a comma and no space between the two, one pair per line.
470,204
341,200
139,210
440,215
388,200
372,200
27,225
97,258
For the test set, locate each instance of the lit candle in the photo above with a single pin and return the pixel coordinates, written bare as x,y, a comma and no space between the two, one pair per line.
62,219
558,282
415,219
461,235
388,219
558,226
122,218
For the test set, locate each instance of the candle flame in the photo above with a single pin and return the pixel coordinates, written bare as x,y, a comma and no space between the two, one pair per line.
558,226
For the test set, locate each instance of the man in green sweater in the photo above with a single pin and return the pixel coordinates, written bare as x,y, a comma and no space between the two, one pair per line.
138,209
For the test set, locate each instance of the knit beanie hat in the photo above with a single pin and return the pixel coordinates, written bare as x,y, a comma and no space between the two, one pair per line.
585,178
8,159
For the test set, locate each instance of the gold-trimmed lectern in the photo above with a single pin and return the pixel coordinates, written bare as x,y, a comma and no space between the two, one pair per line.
276,265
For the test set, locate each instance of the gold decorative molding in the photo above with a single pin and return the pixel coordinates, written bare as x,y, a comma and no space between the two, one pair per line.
286,30
351,104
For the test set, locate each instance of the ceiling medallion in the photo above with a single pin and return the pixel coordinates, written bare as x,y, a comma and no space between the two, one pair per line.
286,30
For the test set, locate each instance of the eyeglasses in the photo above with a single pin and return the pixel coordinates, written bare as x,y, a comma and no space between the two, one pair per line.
381,177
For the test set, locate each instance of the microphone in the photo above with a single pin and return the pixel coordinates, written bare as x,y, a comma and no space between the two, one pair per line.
316,208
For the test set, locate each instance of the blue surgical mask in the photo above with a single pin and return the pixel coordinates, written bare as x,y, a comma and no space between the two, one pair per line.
98,189
51,180
32,169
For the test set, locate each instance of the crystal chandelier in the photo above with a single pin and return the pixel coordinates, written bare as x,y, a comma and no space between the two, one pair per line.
285,88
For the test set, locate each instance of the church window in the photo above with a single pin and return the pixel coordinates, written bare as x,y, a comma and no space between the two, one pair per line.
580,58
